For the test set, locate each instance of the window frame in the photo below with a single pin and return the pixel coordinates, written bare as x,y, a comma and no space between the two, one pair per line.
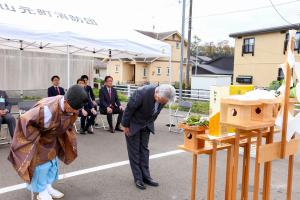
297,42
246,47
158,69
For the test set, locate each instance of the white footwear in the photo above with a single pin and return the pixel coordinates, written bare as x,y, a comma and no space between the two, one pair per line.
44,195
54,193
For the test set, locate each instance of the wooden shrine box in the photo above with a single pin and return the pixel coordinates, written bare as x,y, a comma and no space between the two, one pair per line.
248,112
190,136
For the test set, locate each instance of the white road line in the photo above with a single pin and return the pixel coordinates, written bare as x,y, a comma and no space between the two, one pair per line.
90,170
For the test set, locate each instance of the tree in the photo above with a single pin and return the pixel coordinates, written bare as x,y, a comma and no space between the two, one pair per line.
210,49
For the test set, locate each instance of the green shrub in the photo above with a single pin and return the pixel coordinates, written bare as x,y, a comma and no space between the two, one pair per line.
122,97
274,85
96,92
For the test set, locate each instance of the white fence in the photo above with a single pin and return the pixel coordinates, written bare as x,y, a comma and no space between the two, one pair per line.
200,95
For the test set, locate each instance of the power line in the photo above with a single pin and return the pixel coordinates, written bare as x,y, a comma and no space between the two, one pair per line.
281,16
246,10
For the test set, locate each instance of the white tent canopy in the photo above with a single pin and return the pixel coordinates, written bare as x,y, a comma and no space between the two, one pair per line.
51,28
26,26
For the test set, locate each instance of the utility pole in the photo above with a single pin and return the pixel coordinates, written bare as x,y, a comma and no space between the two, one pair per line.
182,49
187,75
196,70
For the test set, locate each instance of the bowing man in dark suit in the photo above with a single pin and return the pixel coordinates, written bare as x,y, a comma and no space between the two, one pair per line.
55,90
110,104
138,121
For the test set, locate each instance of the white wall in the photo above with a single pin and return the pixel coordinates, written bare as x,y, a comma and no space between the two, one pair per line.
204,82
38,68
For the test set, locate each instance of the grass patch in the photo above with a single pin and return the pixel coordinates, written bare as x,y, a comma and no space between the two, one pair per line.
35,98
200,107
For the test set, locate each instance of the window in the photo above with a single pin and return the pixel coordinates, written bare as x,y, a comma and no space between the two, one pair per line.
158,70
244,79
280,74
177,45
145,72
97,71
297,42
117,68
168,71
248,46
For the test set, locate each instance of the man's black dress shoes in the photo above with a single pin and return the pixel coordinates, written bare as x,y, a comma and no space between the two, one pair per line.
151,182
140,185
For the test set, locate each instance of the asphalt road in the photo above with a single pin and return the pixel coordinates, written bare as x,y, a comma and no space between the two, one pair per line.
112,179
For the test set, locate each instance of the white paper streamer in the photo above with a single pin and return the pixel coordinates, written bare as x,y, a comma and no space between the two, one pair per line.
298,92
297,70
290,52
293,124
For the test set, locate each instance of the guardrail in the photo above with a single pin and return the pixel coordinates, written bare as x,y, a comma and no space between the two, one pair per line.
200,95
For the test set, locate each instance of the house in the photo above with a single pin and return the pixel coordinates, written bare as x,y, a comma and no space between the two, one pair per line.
258,54
100,69
140,71
219,66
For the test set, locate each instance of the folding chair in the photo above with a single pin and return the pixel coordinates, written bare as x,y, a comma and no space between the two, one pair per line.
103,121
100,115
5,139
183,111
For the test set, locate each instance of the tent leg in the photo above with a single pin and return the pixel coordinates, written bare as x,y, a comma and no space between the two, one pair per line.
68,66
170,82
21,74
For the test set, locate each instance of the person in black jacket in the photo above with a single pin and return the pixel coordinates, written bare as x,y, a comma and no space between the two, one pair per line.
138,121
87,113
89,89
55,89
5,115
110,104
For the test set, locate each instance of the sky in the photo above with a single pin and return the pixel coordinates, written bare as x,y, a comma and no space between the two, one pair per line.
213,20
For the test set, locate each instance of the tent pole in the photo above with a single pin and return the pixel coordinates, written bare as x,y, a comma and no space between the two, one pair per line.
68,66
21,72
182,49
170,82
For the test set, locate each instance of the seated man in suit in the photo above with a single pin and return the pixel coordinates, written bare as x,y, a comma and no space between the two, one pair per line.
87,114
55,89
5,115
110,104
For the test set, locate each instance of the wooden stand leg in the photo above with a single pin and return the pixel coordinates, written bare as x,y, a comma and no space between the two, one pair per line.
290,176
257,168
229,173
212,173
268,169
194,177
246,166
235,164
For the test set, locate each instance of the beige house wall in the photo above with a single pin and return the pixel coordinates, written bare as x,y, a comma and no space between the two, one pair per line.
139,73
263,66
111,71
125,73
